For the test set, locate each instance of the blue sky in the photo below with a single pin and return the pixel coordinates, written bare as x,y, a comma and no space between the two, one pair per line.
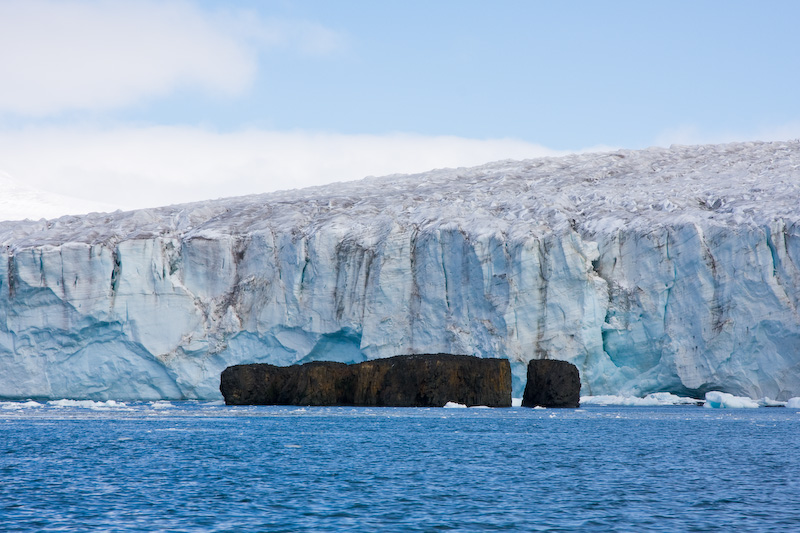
104,99
567,75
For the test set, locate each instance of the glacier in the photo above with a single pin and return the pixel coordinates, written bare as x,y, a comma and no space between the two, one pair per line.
665,270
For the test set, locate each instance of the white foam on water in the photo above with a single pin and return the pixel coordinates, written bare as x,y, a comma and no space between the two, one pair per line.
651,400
723,400
454,405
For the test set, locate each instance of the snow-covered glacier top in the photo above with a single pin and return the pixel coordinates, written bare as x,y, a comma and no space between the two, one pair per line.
726,184
654,271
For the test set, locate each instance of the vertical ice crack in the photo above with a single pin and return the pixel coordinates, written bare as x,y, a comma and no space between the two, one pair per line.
116,271
773,252
672,281
717,304
444,271
541,321
12,275
414,298
778,270
369,257
597,270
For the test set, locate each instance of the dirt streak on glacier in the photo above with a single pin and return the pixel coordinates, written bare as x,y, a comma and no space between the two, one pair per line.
662,270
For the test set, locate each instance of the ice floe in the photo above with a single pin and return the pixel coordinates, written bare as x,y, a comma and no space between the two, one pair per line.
651,400
723,400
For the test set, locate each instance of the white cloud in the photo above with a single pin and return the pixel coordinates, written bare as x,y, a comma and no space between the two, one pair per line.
19,200
132,167
82,54
692,134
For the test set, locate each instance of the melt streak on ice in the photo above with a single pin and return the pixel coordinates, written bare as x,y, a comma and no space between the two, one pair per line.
662,270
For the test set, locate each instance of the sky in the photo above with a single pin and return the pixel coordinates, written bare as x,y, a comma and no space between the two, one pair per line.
115,104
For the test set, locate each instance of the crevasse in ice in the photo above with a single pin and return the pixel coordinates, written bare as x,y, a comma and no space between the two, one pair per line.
660,270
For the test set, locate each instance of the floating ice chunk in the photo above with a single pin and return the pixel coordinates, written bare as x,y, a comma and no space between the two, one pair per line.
793,403
19,405
605,399
723,400
666,398
162,404
516,402
768,402
70,403
454,405
651,400
88,404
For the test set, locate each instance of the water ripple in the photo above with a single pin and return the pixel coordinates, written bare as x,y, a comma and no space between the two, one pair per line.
199,467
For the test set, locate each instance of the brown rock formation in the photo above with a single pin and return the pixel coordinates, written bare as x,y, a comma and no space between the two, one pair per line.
401,381
552,384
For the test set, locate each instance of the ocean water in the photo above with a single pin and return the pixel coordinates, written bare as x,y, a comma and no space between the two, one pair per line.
193,466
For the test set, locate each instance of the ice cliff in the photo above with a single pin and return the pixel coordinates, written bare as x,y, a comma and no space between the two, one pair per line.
662,270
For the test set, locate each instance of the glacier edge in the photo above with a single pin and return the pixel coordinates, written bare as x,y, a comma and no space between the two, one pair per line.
685,283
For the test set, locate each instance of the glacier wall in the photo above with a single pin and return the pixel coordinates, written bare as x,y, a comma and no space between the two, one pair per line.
685,287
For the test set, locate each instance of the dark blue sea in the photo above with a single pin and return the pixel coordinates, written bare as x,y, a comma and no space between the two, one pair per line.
193,466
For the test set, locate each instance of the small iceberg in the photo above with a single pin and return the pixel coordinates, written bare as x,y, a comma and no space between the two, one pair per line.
769,402
793,403
161,404
19,405
723,400
88,404
454,405
651,400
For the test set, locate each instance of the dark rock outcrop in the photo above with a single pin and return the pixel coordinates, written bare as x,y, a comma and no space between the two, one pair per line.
552,384
401,381
316,383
